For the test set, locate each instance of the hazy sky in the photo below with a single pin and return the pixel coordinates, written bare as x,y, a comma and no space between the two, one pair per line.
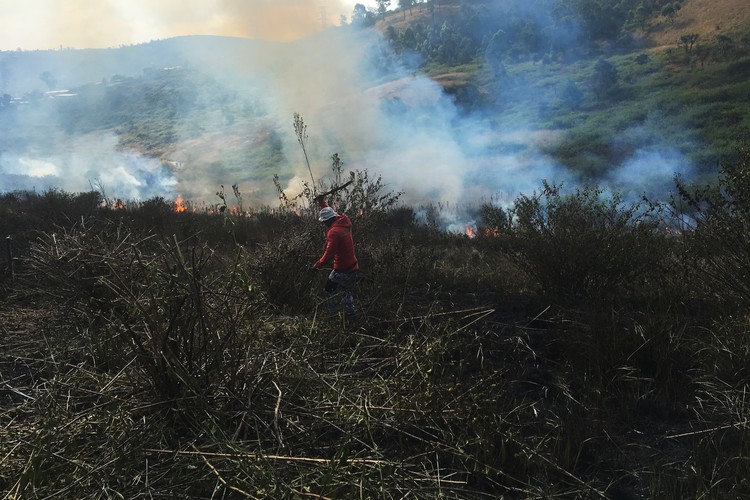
50,24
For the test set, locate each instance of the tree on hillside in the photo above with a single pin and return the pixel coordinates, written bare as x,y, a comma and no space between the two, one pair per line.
642,15
670,11
450,48
392,35
725,44
560,30
383,6
601,21
688,41
359,13
604,80
48,79
361,16
493,54
563,34
406,4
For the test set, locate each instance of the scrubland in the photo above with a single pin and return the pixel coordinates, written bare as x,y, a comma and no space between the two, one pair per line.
577,346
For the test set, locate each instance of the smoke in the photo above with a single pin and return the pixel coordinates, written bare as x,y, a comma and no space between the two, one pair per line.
50,24
649,173
356,99
650,170
89,162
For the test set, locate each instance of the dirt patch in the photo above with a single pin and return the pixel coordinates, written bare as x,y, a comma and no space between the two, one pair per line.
452,79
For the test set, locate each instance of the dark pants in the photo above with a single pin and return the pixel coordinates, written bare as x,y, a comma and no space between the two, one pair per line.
340,285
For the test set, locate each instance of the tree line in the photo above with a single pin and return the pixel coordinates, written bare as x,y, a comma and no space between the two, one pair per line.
520,30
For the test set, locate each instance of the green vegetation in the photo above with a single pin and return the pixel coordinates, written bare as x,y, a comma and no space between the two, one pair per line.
575,347
528,66
696,111
457,31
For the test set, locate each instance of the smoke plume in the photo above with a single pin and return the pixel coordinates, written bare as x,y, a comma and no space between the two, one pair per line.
357,100
80,24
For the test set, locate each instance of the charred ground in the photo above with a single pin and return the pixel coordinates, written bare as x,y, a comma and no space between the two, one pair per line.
579,348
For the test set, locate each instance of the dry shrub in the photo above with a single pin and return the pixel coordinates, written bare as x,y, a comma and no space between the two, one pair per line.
587,245
182,309
719,245
282,266
186,366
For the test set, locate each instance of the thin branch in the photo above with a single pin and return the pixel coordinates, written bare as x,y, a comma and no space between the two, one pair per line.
308,460
738,425
223,481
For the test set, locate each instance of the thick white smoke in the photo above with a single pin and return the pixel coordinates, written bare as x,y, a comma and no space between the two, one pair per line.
51,24
92,161
377,115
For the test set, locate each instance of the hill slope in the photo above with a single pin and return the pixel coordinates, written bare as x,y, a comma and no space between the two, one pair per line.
199,112
707,18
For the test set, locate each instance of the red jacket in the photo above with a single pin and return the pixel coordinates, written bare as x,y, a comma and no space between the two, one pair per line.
339,245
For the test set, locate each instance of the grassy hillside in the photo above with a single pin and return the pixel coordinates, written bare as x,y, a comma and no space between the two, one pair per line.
708,19
695,102
660,101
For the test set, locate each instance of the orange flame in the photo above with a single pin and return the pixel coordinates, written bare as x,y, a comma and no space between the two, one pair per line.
179,204
119,204
470,231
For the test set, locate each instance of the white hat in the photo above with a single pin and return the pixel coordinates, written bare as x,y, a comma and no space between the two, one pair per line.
327,213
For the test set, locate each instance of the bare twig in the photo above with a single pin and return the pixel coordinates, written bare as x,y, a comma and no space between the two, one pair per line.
276,415
16,391
308,460
738,425
223,481
300,130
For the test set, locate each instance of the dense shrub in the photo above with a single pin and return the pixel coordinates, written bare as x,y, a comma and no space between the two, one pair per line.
585,244
720,240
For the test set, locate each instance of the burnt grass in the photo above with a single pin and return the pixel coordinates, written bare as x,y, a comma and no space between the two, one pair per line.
580,348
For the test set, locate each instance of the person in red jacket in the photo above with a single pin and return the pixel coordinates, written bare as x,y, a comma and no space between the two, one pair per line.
340,248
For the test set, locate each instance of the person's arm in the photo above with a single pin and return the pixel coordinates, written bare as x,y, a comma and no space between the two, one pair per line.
329,252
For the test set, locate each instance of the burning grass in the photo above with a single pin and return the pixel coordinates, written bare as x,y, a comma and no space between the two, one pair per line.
146,352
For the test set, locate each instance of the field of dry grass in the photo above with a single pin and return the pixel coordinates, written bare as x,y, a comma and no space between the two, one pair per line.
707,18
574,350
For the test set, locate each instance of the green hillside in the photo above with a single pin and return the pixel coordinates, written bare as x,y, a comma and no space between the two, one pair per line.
608,92
603,90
